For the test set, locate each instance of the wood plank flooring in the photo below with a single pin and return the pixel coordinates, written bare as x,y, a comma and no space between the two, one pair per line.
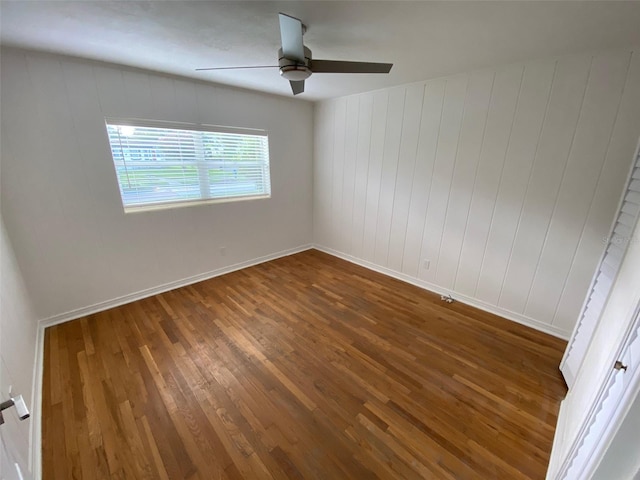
304,367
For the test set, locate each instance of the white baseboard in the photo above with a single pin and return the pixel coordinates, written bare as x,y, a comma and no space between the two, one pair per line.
474,302
149,292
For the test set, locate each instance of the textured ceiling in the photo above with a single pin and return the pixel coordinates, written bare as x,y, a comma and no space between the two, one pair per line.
423,39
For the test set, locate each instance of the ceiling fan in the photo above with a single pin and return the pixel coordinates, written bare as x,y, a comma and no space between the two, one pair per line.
295,61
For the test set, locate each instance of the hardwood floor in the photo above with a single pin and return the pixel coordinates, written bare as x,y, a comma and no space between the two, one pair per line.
303,367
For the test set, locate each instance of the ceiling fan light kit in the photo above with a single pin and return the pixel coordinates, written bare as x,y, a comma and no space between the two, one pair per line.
292,69
295,61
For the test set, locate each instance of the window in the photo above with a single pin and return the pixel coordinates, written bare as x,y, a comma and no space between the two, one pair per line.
162,165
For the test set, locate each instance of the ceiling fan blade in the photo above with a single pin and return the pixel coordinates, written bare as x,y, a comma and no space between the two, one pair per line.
337,66
236,68
291,36
297,86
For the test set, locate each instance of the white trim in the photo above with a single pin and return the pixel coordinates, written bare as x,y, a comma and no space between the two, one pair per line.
152,207
558,439
148,292
474,302
197,127
35,433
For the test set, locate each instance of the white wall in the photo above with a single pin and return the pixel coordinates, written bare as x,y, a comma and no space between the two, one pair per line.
60,198
504,180
18,328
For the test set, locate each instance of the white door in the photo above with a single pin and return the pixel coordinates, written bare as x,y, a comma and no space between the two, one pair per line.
17,345
609,411
601,393
617,244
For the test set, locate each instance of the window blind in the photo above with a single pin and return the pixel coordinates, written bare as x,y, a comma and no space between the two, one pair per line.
158,165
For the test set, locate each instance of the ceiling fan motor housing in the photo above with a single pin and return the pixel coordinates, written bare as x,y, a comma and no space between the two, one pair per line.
295,70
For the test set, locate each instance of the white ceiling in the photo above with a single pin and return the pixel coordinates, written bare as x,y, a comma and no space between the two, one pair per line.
423,39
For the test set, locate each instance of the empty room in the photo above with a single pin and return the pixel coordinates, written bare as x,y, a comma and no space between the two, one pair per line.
319,240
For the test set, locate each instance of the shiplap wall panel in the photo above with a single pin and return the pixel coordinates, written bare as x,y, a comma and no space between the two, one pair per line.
84,108
55,127
551,158
504,98
362,173
506,196
187,105
137,91
163,95
390,156
348,179
18,129
323,149
523,141
337,186
433,101
621,141
404,177
464,174
586,158
448,137
378,126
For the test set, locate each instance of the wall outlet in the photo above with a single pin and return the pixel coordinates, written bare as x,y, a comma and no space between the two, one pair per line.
223,251
426,264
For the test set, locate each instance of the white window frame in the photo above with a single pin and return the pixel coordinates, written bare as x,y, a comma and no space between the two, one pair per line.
201,163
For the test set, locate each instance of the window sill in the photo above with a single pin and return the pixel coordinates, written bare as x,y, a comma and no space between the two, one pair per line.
192,203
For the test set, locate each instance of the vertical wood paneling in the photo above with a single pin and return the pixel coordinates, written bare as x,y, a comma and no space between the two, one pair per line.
322,174
86,112
404,177
614,172
84,109
464,174
565,102
55,127
506,87
378,126
452,112
599,110
16,139
362,173
348,179
497,185
187,102
421,186
391,151
340,132
523,142
163,97
137,91
110,88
